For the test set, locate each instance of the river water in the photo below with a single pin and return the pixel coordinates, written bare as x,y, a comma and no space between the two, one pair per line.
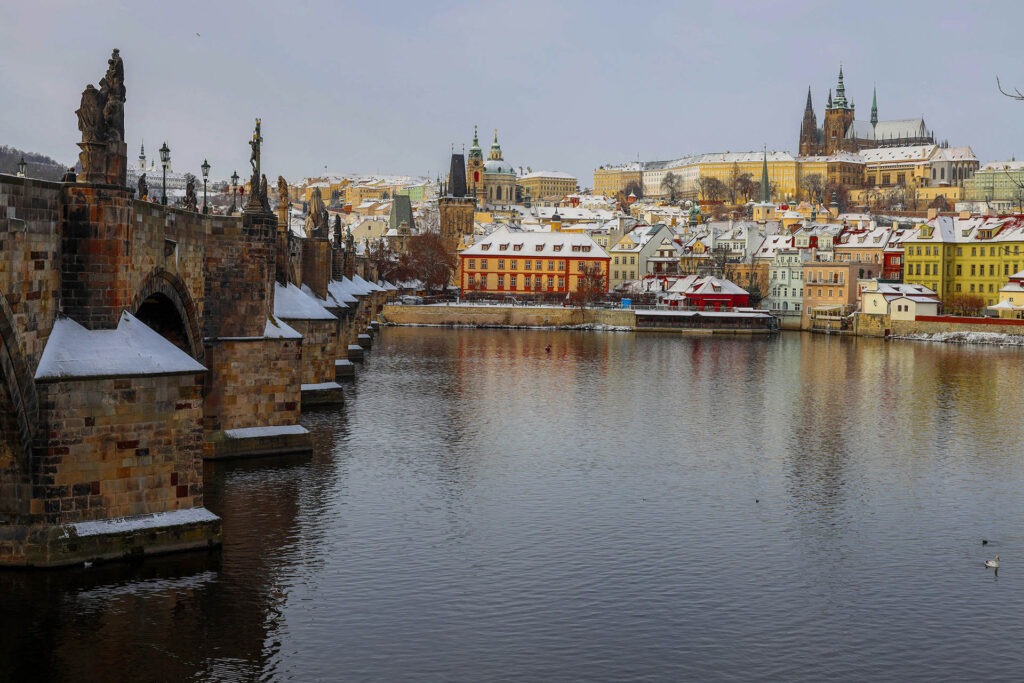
497,505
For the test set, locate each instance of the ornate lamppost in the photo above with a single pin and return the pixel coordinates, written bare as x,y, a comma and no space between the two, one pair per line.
206,176
234,190
165,160
21,167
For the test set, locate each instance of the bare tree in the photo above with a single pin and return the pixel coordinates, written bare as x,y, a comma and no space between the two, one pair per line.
710,188
814,186
670,186
591,285
746,186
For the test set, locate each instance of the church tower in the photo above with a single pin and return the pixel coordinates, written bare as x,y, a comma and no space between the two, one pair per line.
475,171
809,142
456,206
838,119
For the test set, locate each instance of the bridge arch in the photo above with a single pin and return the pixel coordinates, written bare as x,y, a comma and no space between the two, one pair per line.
164,303
19,403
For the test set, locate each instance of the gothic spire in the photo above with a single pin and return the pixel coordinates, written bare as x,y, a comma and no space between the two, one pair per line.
764,195
874,106
840,101
809,106
829,105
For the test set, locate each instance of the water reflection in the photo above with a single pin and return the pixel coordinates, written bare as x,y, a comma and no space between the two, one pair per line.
618,507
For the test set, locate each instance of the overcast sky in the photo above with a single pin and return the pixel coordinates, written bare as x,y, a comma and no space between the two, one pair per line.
389,86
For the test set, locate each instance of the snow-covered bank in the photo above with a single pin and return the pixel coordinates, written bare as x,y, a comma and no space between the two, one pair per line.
991,338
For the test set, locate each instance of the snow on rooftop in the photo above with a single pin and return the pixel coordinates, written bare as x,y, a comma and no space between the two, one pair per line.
133,348
277,329
291,303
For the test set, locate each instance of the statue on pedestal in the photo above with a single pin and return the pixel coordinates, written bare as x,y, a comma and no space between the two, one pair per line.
191,201
143,188
316,219
104,155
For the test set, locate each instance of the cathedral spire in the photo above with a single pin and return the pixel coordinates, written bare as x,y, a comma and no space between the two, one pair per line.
874,107
809,106
840,101
764,195
829,105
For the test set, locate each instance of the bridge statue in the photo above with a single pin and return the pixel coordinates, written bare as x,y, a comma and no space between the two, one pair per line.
191,201
316,219
143,188
104,155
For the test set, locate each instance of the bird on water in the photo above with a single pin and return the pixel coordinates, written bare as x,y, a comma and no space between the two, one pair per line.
993,564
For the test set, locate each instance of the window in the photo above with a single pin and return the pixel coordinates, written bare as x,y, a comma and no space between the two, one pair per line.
517,247
557,247
616,260
503,247
469,282
483,280
501,281
526,282
991,270
485,247
540,247
551,282
561,265
632,260
536,284
580,266
472,263
959,251
501,264
959,269
561,283
615,275
972,270
972,288
512,281
831,293
537,265
483,264
551,265
528,263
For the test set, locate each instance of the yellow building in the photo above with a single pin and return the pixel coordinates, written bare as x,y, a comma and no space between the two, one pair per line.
544,184
517,263
965,255
609,181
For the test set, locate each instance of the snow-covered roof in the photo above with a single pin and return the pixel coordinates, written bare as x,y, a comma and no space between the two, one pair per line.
511,244
133,348
559,175
918,153
699,284
342,290
278,329
291,303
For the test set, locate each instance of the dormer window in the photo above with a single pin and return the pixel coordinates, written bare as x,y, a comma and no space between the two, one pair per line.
540,247
557,247
485,247
517,247
503,247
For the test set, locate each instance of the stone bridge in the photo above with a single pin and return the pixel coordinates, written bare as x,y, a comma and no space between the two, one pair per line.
137,340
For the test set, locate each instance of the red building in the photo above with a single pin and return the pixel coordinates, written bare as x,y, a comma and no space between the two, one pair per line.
707,293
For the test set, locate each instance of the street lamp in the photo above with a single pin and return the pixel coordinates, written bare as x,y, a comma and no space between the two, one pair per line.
234,190
206,176
165,160
21,167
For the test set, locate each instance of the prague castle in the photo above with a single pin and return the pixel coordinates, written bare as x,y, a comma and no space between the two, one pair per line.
843,133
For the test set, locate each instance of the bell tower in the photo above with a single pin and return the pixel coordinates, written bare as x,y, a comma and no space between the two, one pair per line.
838,119
475,170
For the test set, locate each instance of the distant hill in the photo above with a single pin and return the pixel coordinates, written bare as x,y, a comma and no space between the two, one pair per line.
39,165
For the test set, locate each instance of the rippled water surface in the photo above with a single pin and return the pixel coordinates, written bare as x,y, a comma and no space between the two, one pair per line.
618,508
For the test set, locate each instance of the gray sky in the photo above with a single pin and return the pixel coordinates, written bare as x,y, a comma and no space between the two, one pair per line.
388,87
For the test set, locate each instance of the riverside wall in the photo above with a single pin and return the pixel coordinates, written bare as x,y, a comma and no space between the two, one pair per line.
506,316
